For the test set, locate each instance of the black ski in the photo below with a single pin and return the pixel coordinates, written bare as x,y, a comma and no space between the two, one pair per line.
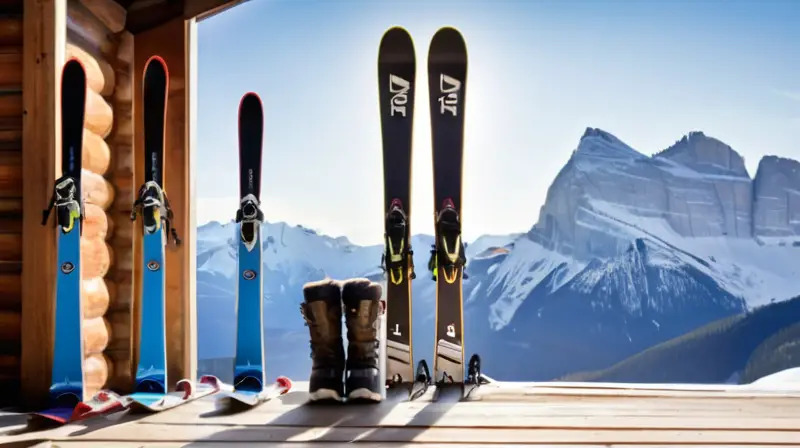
447,82
396,87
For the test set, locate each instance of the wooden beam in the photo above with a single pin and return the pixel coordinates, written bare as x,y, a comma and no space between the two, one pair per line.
172,42
150,16
204,9
44,43
190,198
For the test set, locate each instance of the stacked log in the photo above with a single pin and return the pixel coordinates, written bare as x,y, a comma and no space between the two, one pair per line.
10,202
122,176
91,41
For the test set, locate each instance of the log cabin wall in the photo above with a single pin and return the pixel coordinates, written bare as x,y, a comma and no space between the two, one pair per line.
10,198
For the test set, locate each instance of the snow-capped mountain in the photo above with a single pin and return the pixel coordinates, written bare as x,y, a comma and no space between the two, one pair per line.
629,251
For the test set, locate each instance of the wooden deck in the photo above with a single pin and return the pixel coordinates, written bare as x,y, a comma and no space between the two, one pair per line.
532,414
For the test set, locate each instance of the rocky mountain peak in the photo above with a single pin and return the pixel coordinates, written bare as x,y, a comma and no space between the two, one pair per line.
776,194
705,154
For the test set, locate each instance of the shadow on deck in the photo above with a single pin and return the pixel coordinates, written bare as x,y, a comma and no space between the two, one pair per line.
544,414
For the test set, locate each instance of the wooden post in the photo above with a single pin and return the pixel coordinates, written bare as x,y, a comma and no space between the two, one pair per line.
190,241
44,37
171,42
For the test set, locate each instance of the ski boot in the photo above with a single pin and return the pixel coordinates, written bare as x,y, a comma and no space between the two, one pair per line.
156,212
397,249
361,299
250,216
322,311
67,203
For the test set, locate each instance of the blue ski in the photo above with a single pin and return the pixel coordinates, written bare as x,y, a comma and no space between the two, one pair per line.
67,387
151,389
248,375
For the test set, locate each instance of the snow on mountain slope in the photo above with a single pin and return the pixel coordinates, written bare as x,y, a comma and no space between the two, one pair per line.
513,279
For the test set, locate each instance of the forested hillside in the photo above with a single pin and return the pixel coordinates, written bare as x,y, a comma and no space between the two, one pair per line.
766,339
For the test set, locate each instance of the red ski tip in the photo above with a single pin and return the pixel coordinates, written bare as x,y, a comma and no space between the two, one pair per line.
211,380
284,383
184,386
80,410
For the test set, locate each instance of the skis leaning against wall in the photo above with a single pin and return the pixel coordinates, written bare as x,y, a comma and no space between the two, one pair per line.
249,367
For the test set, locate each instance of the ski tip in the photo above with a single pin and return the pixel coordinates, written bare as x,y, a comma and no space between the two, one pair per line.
80,410
284,383
155,64
73,73
210,380
186,387
74,63
447,40
396,32
396,41
250,98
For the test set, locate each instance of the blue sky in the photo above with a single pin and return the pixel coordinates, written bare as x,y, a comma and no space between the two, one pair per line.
540,72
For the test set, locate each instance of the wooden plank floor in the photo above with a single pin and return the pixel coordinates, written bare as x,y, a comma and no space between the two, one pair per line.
542,414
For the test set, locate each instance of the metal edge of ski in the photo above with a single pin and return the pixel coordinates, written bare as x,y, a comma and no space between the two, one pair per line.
66,394
447,77
228,394
396,91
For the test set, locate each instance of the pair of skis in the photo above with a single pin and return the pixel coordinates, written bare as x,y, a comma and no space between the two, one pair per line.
447,77
151,380
248,386
67,400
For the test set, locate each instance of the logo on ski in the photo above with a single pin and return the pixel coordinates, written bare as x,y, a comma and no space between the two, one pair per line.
249,274
155,171
153,265
451,330
399,88
449,87
72,158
